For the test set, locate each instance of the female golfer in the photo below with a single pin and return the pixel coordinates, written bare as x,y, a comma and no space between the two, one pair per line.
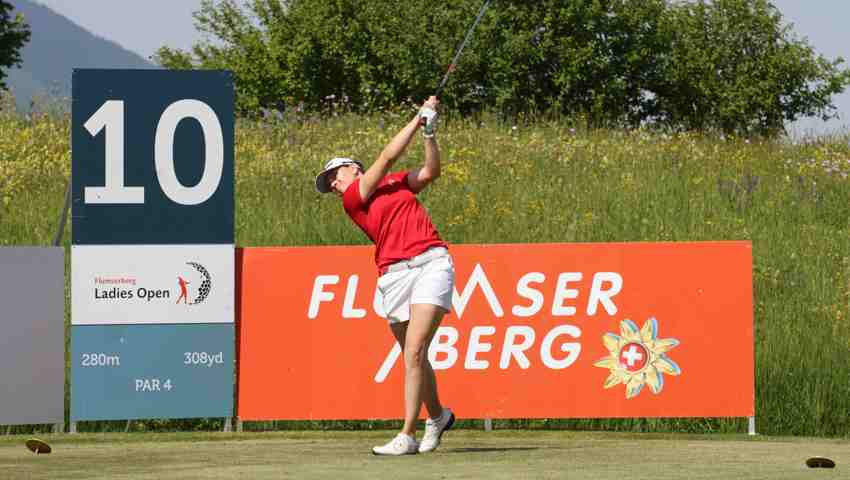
416,272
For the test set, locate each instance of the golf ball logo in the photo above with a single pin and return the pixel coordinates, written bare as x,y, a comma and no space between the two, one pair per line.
184,282
206,283
637,357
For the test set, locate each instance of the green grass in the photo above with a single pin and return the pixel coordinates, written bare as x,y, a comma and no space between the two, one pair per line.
463,454
547,182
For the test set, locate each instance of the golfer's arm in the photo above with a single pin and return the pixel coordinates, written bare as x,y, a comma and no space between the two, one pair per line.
391,153
429,172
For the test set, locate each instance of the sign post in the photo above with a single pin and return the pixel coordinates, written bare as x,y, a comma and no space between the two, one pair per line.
152,256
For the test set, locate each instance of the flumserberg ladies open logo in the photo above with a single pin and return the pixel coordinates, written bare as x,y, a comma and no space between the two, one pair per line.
192,286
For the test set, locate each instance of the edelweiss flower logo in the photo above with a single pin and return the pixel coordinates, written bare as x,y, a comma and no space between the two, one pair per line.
638,358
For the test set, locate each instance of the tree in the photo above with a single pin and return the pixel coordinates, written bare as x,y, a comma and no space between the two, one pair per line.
733,66
525,56
14,33
592,58
728,65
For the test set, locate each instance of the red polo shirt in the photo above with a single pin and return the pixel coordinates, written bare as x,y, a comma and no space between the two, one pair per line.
393,219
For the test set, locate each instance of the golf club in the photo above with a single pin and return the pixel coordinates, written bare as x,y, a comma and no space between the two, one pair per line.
462,46
460,50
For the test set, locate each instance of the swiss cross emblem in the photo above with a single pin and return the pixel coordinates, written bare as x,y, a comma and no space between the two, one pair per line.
633,357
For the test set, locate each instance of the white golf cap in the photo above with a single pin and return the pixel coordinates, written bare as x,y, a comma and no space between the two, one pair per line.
333,164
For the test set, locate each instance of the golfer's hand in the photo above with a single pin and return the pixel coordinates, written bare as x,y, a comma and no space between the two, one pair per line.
428,116
432,102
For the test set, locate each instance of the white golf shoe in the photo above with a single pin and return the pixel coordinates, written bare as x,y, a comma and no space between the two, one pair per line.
434,429
402,444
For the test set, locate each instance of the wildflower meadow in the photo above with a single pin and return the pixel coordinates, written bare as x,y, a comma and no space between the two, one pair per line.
553,181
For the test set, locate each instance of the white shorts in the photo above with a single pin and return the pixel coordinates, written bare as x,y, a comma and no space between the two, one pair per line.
432,283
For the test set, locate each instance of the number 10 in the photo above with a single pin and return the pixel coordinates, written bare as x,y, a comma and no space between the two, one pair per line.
111,117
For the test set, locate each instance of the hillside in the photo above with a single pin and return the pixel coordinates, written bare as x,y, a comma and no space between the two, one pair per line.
57,47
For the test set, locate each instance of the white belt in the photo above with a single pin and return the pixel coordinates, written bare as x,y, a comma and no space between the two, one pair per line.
419,260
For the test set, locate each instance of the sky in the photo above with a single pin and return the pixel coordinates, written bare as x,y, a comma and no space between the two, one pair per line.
142,27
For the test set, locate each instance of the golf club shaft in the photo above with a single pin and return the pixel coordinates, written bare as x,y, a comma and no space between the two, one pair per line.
462,45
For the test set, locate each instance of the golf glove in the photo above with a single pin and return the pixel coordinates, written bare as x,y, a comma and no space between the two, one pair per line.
428,117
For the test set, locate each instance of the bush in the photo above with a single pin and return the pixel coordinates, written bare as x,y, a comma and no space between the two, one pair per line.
725,65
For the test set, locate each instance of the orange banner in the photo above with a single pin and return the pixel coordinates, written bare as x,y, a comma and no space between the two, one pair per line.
537,331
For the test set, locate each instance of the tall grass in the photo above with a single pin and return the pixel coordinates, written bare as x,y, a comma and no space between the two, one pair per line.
549,182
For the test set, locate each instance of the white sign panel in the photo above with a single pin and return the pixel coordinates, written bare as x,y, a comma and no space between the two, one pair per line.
152,284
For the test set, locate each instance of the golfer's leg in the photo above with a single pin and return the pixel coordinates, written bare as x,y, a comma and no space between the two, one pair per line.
429,382
430,396
424,320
